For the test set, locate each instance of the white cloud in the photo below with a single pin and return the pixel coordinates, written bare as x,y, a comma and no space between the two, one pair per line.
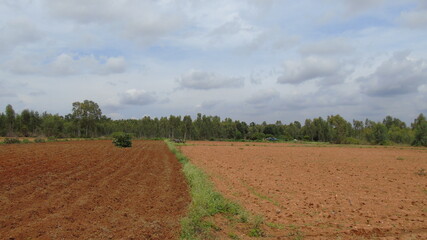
137,97
115,65
327,70
201,80
398,75
142,22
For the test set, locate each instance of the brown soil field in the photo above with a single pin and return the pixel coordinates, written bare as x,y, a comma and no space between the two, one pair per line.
322,192
90,190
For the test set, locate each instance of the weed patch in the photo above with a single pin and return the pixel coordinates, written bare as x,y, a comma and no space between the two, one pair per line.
11,141
421,172
206,203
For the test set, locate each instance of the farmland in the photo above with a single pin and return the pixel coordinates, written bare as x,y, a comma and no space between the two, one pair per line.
90,190
322,191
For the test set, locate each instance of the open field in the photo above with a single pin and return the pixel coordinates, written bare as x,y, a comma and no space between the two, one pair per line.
322,192
91,190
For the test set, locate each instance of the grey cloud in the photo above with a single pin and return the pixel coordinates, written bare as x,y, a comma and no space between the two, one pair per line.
328,71
18,32
66,65
329,47
137,97
139,21
205,80
82,11
396,76
115,65
263,97
5,91
37,93
357,6
414,19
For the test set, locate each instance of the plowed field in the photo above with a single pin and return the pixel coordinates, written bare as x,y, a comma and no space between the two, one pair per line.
314,192
90,190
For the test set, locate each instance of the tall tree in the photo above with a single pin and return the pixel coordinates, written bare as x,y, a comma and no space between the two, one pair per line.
86,114
340,128
10,119
25,122
420,128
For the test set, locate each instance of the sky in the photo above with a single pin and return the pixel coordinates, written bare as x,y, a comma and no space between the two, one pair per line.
250,60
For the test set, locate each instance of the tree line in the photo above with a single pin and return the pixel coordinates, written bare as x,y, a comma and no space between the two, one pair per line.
86,120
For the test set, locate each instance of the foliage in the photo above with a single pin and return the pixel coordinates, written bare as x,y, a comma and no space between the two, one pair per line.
39,140
353,141
420,127
380,134
121,139
85,115
86,120
11,141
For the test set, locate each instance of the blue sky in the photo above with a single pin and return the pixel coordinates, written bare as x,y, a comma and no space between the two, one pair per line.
252,60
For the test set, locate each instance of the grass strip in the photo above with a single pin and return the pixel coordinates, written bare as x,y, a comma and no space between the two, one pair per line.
206,202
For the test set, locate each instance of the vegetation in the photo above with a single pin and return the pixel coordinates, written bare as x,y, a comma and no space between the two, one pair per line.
206,202
87,121
11,141
121,139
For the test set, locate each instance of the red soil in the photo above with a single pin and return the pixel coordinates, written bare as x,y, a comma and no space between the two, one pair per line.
90,190
319,192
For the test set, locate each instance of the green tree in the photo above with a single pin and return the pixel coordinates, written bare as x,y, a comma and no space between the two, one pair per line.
420,128
340,128
86,114
25,122
380,134
2,124
188,127
10,120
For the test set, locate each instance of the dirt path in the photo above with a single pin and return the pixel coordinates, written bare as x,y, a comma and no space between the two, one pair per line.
90,190
322,192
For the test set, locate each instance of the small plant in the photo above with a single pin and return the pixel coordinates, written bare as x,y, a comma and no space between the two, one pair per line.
256,230
233,236
39,140
11,140
400,158
26,141
421,172
121,139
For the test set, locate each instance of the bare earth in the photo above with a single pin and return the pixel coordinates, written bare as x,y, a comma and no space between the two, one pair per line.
90,190
329,192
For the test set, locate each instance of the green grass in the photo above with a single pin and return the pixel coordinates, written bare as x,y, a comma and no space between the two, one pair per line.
275,225
261,196
206,202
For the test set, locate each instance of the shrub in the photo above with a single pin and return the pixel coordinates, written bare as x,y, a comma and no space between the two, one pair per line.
39,140
26,141
121,139
51,139
351,140
11,140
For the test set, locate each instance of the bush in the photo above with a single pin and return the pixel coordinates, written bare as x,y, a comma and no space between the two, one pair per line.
51,139
121,139
26,141
353,141
39,140
11,140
